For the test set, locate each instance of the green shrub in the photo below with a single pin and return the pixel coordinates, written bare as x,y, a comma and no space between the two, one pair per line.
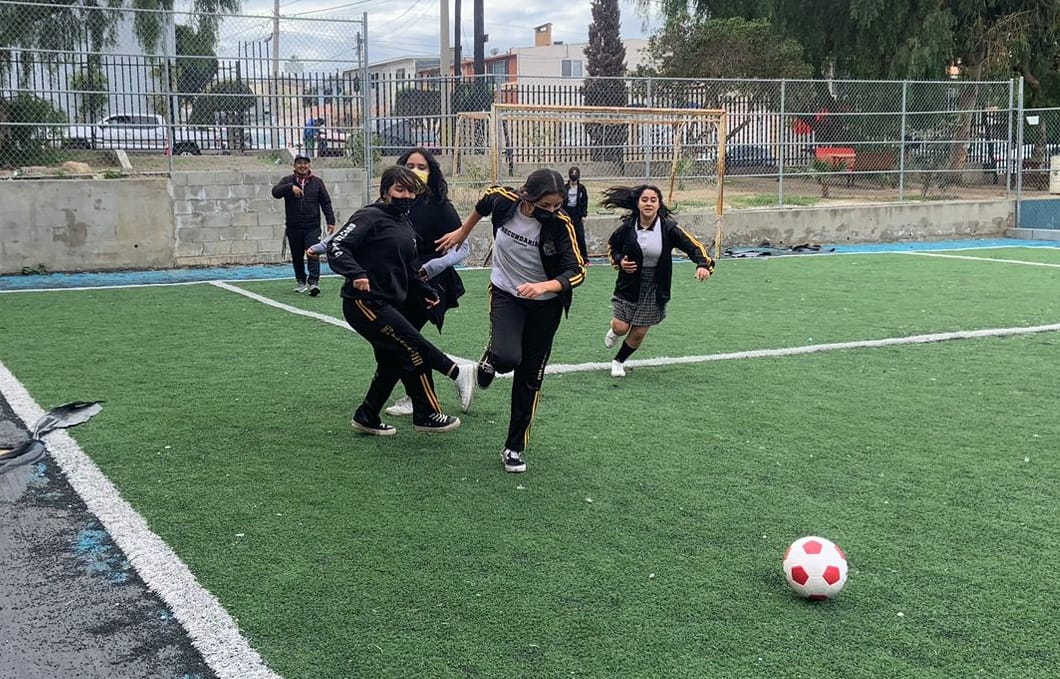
31,130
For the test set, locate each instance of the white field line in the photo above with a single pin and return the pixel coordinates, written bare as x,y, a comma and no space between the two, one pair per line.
331,320
814,348
682,360
211,629
985,259
338,322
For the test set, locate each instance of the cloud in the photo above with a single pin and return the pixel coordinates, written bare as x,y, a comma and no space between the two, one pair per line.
311,31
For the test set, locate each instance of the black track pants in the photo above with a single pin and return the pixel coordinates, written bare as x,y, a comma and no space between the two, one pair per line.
400,354
521,334
298,240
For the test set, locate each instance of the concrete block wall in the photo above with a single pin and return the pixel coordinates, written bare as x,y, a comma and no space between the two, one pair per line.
232,218
190,219
213,218
839,224
85,224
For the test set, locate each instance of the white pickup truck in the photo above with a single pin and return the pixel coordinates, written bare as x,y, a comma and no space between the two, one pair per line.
143,133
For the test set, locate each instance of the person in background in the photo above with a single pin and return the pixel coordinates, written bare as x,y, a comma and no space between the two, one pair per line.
640,249
309,136
577,207
376,253
322,142
305,197
536,264
432,216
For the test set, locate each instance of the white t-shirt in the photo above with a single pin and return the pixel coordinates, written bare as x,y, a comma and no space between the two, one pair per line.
516,259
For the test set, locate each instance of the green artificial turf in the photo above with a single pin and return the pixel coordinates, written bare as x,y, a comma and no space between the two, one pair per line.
645,539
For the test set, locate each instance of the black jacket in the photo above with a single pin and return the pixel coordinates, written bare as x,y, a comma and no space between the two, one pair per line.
304,212
623,242
431,219
557,245
582,208
381,247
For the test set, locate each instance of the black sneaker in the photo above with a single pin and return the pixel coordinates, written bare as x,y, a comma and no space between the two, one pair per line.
513,461
378,429
436,423
314,289
484,374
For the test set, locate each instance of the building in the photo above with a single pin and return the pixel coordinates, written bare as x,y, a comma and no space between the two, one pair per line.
547,64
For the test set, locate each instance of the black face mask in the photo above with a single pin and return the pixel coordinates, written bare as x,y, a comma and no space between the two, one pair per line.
543,215
574,177
400,206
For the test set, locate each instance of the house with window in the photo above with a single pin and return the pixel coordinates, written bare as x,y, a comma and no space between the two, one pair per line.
549,72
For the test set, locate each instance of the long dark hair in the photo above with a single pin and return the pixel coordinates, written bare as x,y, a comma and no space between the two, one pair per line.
436,184
627,197
541,183
401,176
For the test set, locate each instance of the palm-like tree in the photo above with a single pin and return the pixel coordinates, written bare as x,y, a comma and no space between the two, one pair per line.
41,33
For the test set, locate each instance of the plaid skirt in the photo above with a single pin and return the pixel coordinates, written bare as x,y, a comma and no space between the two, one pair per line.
647,310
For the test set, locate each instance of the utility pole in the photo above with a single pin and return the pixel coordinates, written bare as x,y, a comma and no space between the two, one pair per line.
274,81
480,39
443,72
457,58
275,39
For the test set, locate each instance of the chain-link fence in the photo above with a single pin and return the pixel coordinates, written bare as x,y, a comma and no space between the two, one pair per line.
132,91
80,83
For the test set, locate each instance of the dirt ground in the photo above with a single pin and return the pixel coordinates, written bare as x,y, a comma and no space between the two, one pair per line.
740,191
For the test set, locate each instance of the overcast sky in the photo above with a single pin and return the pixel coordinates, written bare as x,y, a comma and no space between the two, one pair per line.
399,28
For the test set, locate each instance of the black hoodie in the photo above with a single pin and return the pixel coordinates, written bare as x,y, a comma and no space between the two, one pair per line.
380,246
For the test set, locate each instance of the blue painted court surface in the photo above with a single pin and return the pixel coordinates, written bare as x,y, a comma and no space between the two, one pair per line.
281,271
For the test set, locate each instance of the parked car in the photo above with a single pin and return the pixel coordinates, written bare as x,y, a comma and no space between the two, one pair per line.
143,133
396,138
742,159
333,142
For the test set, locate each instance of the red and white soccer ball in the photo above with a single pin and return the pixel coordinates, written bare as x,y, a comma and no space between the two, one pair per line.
815,567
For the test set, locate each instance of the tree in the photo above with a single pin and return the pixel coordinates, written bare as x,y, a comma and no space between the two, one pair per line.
725,48
916,39
196,63
41,33
605,63
91,83
226,102
28,141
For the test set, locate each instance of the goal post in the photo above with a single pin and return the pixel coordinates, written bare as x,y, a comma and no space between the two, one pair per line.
681,150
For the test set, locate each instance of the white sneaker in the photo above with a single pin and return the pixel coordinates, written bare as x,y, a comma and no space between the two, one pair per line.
617,369
401,408
302,288
465,385
610,338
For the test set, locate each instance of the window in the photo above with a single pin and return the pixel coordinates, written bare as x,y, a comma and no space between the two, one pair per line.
572,68
499,70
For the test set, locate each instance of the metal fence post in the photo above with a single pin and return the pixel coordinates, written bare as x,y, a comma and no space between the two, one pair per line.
649,104
784,138
1008,142
901,144
1016,156
170,95
366,118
